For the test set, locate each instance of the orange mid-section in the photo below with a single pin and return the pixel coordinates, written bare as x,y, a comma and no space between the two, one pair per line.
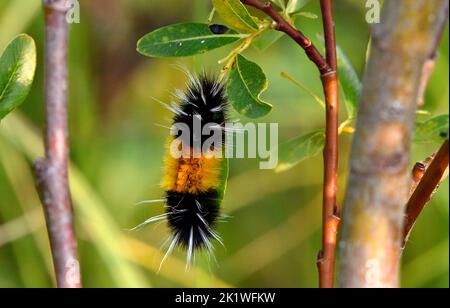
191,175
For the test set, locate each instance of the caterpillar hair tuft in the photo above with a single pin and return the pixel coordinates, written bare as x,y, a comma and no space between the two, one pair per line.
192,183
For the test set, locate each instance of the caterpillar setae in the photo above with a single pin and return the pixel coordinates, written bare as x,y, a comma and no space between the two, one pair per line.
194,181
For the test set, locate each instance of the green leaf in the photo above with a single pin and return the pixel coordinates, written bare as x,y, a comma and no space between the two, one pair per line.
245,84
299,149
294,6
186,39
307,15
235,15
267,39
17,68
350,83
433,130
304,88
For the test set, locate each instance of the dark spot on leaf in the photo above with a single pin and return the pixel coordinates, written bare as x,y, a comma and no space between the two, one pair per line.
443,135
218,29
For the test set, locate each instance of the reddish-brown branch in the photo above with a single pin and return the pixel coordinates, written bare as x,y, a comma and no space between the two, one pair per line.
283,26
425,189
331,217
326,6
328,71
52,171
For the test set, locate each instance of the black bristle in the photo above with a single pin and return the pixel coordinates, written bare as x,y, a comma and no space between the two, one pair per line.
188,213
205,97
185,214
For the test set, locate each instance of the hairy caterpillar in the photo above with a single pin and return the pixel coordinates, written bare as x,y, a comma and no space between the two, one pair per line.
193,184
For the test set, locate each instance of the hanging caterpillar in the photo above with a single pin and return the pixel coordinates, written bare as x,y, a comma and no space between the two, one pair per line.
194,184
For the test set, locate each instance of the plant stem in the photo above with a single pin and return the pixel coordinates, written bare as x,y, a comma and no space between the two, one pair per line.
428,184
331,213
328,71
52,170
326,7
430,63
284,26
231,58
379,178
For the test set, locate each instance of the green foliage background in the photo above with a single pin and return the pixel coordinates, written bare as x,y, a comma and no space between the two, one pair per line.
272,239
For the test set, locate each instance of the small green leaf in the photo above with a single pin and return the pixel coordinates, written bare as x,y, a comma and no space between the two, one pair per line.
433,130
307,15
17,68
245,84
350,83
299,149
235,15
267,39
186,39
294,6
304,88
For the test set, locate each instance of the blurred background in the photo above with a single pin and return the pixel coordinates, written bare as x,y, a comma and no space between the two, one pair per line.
273,236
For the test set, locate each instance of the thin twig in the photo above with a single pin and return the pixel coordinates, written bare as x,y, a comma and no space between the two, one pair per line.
328,71
331,212
428,184
326,7
282,25
430,63
231,58
52,171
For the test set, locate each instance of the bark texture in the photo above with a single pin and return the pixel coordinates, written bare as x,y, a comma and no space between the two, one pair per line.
380,176
52,170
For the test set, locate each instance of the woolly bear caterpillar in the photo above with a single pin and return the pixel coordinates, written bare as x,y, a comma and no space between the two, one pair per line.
194,184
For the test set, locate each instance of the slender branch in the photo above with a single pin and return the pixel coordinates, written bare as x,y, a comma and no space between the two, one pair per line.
328,70
231,58
331,215
52,171
326,7
428,184
379,164
417,201
284,26
430,63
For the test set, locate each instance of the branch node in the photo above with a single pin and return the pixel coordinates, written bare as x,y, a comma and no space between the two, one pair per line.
426,187
418,171
337,212
284,26
320,258
267,5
